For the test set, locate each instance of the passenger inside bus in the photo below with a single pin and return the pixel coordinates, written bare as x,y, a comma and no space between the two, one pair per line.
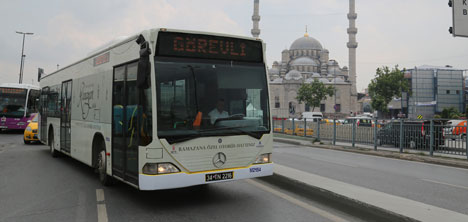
218,112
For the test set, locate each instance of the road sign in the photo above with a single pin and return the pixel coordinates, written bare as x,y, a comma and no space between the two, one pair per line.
459,17
420,116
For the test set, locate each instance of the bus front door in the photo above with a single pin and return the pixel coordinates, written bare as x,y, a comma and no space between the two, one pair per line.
125,135
43,111
65,116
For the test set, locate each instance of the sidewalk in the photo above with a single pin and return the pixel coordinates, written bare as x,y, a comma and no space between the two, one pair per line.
366,200
412,155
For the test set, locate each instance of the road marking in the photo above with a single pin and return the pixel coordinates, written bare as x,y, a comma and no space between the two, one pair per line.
99,195
297,202
101,206
452,185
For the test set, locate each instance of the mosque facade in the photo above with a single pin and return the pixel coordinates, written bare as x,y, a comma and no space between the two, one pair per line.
307,60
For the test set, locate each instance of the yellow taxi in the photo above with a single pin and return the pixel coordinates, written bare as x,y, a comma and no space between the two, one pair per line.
30,133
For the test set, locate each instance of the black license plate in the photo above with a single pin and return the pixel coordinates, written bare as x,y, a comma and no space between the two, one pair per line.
219,176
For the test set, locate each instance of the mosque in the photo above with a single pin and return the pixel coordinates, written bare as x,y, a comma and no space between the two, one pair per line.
307,60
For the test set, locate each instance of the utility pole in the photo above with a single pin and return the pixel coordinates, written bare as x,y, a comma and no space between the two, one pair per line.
22,56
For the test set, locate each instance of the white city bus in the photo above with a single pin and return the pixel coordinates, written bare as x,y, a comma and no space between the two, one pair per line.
143,110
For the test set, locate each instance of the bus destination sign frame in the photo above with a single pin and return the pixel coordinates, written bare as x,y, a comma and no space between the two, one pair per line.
176,44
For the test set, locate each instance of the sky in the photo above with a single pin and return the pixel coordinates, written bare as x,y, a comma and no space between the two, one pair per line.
406,33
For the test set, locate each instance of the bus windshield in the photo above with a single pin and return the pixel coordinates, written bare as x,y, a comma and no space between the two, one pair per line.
200,97
12,101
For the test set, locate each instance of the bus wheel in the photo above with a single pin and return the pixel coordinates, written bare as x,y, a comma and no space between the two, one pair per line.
101,166
53,152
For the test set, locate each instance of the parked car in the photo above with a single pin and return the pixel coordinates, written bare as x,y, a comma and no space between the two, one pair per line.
416,134
360,121
460,130
30,133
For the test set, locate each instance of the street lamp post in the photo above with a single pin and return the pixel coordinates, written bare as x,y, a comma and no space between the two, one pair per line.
22,55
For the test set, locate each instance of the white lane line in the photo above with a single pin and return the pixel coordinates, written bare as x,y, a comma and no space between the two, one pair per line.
297,202
99,195
101,206
442,183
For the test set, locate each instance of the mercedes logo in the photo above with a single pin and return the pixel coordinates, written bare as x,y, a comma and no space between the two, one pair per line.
219,159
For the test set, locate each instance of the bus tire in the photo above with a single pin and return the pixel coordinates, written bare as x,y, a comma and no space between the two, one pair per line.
26,141
54,153
101,165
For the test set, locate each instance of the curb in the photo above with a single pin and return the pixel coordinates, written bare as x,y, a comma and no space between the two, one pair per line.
345,204
380,153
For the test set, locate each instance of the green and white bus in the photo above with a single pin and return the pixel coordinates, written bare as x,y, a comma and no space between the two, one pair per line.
163,109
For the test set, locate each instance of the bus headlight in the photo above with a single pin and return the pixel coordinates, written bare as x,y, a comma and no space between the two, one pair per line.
264,158
20,124
160,168
28,129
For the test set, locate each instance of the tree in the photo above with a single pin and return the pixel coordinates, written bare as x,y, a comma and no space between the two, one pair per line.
386,85
312,94
450,113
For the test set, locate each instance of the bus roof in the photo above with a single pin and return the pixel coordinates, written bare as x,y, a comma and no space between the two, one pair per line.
109,45
19,86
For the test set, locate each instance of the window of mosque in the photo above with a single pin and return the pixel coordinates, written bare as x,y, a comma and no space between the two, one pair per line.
322,107
277,102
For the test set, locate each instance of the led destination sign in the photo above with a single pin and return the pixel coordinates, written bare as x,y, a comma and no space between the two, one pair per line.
208,47
12,91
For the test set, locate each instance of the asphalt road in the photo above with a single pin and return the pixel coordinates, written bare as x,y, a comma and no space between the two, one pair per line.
36,187
441,186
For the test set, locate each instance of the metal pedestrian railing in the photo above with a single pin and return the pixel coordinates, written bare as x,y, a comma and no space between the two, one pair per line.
431,135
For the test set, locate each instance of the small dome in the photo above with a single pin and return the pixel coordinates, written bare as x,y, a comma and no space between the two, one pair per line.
293,74
277,80
306,42
337,80
316,75
275,63
332,62
273,71
323,80
285,50
304,61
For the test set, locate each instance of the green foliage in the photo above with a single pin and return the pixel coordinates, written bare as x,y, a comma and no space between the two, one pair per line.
386,85
450,113
436,116
312,94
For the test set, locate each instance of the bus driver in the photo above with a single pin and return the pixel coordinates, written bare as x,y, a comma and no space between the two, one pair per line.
218,112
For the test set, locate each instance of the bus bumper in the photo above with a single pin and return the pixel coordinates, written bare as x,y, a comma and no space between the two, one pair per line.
177,180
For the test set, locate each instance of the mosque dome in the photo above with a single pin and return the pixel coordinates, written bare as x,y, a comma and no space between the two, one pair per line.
338,80
304,61
316,75
324,80
306,42
273,71
293,74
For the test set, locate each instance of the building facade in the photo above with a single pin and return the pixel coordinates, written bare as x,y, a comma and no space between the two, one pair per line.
305,61
433,89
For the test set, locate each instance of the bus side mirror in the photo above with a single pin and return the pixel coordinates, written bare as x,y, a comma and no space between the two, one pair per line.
144,66
40,71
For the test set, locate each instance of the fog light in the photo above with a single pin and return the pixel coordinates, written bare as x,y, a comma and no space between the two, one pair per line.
264,158
160,168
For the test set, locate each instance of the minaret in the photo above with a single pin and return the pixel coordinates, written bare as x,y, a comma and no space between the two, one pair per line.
352,45
255,20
